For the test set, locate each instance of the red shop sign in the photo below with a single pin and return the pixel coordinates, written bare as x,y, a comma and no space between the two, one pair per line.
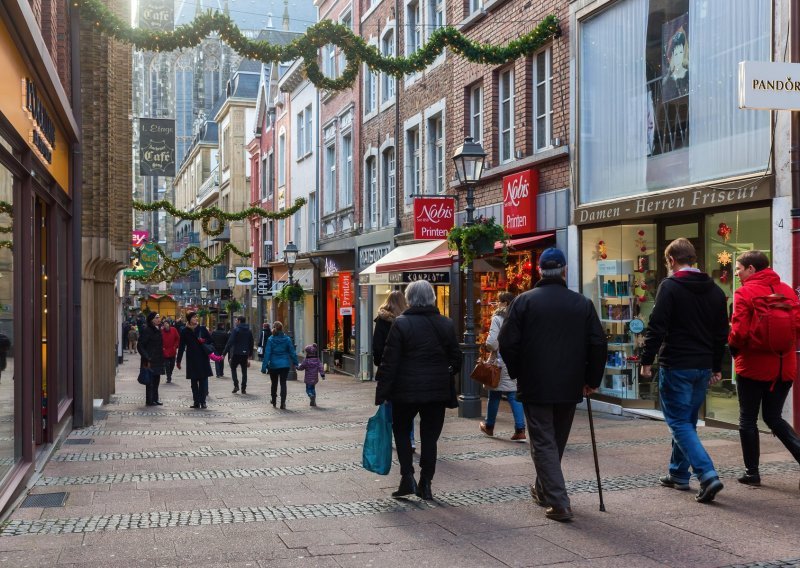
345,290
433,217
519,202
138,238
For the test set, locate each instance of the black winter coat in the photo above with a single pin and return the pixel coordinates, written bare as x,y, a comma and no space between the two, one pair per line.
219,337
553,344
420,358
382,327
151,347
240,343
197,365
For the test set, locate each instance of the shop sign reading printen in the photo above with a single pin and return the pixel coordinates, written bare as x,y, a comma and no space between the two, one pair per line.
519,202
433,217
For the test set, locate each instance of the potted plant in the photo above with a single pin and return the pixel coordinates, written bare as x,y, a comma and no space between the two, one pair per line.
477,239
290,293
233,306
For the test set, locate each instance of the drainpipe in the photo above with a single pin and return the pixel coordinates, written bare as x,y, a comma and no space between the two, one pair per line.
794,18
76,167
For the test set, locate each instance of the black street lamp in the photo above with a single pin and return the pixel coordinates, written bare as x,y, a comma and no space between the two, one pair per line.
231,278
469,159
290,257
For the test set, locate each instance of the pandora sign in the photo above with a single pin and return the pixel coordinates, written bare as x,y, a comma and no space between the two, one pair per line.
433,217
519,202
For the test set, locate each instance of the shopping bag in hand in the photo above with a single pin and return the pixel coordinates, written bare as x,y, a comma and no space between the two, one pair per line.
377,455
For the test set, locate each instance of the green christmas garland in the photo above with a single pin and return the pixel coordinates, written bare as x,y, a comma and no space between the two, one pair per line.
218,214
356,50
193,257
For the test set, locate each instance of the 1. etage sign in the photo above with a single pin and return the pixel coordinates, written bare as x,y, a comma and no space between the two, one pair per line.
433,217
519,202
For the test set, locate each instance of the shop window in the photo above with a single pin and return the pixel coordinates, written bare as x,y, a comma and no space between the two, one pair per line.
9,453
506,118
657,92
476,113
620,271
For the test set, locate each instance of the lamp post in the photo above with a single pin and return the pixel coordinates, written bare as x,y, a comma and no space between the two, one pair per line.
231,278
203,296
469,159
290,257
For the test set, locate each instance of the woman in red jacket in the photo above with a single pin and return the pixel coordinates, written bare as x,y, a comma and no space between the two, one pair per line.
170,338
764,376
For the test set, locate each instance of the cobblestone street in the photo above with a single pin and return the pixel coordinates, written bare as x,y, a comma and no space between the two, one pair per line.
243,484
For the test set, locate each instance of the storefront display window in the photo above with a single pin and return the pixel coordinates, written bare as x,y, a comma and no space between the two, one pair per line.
657,95
339,326
727,235
9,451
620,276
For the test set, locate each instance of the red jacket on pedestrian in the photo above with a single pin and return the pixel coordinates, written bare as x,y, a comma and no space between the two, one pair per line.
171,339
753,363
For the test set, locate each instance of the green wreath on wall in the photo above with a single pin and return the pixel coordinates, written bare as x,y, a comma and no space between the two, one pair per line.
326,32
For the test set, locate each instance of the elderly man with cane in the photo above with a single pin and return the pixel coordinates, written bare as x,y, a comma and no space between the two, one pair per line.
553,344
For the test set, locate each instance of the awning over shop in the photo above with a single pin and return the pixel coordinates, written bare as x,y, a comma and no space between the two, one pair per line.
439,257
523,242
372,274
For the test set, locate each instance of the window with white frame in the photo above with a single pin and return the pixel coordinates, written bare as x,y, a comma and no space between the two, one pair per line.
475,106
389,187
475,6
308,131
435,16
435,158
506,122
370,91
347,170
264,177
387,81
298,229
543,99
413,27
312,221
281,237
371,178
330,60
346,21
413,177
330,179
301,135
281,160
270,174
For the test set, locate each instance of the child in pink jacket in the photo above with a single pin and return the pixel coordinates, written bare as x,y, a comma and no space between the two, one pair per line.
314,370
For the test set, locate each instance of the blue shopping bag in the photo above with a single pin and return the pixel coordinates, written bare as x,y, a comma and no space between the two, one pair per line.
377,456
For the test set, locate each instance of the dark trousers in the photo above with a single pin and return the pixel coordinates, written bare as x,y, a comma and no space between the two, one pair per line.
548,429
771,398
219,366
199,389
276,375
169,365
431,420
151,390
239,361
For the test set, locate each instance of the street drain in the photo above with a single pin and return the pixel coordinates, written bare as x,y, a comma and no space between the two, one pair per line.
45,500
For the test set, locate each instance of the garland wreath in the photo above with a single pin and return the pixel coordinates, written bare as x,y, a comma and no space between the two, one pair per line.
326,32
193,257
218,214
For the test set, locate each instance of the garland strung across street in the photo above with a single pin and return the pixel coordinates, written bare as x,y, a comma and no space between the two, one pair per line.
215,213
356,50
193,257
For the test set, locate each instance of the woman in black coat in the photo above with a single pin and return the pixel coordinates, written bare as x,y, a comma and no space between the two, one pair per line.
150,347
198,369
416,375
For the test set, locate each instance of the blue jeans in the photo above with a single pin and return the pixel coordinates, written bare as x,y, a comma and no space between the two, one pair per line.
494,405
683,392
311,390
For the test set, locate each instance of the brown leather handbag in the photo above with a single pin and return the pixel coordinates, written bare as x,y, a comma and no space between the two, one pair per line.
487,371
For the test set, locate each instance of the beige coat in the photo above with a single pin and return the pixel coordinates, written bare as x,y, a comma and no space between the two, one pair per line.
507,384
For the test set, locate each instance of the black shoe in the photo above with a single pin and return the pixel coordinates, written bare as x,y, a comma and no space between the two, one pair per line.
203,405
424,489
158,403
667,481
149,403
273,402
313,401
195,406
283,405
537,497
750,479
244,390
408,486
169,379
558,514
235,390
709,490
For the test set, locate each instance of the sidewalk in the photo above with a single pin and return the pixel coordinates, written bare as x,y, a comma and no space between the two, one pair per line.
244,484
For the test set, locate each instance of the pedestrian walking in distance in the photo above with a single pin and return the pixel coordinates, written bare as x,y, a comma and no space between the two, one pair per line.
263,335
170,339
416,376
762,340
313,371
508,385
688,329
133,339
279,356
198,368
553,344
219,338
151,348
240,347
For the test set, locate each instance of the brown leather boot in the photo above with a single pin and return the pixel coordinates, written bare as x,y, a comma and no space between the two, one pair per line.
488,430
519,435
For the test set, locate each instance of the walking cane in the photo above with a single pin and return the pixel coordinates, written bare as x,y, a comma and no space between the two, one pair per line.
594,451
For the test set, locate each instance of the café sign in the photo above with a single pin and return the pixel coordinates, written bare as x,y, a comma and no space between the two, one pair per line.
519,202
433,217
769,86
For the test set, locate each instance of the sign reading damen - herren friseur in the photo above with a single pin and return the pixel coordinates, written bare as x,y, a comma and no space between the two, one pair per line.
157,15
157,147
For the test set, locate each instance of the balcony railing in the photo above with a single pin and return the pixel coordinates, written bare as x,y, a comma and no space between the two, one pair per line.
208,187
